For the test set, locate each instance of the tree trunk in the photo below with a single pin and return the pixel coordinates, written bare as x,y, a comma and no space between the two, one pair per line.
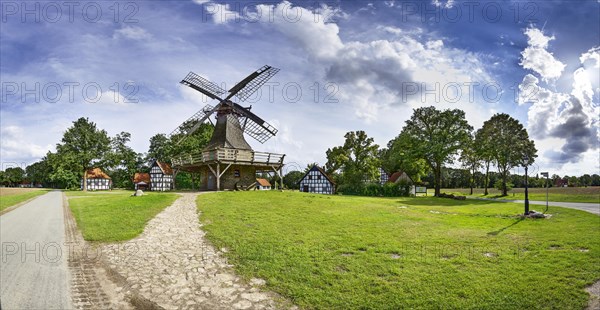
487,178
472,181
504,190
85,180
438,181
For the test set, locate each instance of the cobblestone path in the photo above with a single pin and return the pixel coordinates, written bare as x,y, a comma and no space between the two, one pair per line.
171,265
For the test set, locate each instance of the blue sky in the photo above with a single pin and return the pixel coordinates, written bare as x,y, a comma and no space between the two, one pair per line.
345,65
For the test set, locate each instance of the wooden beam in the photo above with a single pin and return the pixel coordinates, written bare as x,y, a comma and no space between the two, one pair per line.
278,174
212,170
223,172
218,177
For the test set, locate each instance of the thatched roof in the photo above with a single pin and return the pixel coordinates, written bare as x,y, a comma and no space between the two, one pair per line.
97,173
141,177
166,168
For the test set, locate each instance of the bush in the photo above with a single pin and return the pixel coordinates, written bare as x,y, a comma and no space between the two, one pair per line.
347,189
376,190
372,189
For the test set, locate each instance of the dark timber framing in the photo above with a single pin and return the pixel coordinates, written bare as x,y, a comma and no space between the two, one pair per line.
317,181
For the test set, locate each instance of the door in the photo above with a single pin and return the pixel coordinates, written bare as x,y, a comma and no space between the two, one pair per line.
211,186
305,188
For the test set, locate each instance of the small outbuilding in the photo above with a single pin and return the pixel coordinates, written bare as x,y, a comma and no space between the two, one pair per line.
263,184
97,180
317,181
399,176
141,180
161,176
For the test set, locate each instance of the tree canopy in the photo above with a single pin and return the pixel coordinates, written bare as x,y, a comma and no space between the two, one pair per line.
84,144
436,137
357,159
511,146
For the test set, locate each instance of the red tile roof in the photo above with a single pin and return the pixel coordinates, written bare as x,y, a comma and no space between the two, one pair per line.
397,175
263,182
141,177
97,173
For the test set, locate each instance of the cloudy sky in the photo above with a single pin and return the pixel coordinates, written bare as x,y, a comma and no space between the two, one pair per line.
344,66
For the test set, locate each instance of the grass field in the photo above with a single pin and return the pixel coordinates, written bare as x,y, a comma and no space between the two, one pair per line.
12,196
115,215
562,194
342,252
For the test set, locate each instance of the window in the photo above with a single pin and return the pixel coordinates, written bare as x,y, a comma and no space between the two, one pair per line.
236,173
310,177
318,177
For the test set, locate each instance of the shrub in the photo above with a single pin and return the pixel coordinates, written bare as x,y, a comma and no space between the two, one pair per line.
372,189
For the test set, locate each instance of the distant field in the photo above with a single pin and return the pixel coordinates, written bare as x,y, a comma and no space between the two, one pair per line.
348,252
563,194
10,196
115,215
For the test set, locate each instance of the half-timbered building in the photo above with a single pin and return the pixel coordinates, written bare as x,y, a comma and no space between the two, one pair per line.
383,176
317,181
97,180
161,176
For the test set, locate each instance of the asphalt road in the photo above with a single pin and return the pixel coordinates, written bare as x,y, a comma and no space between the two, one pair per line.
33,264
588,207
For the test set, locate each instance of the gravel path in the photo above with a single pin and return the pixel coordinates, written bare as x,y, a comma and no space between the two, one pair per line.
172,265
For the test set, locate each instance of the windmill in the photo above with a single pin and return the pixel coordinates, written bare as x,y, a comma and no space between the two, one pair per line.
228,161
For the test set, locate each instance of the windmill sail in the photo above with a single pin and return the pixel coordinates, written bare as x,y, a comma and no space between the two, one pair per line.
253,125
203,85
193,123
248,86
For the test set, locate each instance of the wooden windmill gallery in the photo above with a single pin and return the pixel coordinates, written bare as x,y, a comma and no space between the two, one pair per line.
228,162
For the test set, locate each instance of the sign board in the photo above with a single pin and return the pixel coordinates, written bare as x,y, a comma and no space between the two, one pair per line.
544,174
420,189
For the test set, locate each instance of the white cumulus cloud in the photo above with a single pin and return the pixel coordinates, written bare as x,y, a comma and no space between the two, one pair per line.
535,57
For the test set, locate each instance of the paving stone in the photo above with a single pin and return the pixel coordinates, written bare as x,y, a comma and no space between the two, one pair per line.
172,264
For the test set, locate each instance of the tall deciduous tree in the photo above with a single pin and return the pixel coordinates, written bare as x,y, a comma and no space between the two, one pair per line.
484,147
396,158
122,160
511,146
470,160
436,136
160,148
356,159
291,179
85,144
14,175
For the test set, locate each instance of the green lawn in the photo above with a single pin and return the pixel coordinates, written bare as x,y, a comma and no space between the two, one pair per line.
12,196
562,194
343,252
115,215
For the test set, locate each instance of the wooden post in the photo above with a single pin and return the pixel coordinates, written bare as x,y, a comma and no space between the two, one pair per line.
218,177
281,176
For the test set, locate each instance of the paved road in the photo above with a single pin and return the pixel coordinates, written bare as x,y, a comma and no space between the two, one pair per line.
588,207
33,263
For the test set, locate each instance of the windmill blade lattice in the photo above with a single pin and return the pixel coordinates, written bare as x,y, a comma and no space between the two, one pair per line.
253,125
197,119
203,85
248,86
